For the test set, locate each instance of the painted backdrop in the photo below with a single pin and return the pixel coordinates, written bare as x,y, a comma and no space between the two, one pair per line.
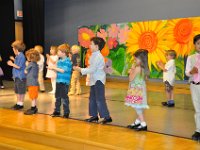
123,39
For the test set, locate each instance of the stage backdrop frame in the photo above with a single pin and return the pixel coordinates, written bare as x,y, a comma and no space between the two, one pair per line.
157,36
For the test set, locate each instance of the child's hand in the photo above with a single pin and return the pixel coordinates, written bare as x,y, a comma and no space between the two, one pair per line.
47,55
12,58
10,63
194,70
25,71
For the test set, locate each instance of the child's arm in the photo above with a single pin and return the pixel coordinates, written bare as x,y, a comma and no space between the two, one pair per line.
50,59
67,68
12,58
91,69
161,66
133,73
10,63
189,71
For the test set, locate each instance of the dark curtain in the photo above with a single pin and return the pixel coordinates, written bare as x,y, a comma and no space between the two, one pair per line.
7,34
33,22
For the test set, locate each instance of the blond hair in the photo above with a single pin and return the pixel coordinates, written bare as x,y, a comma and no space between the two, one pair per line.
65,48
33,55
76,47
19,45
39,48
55,48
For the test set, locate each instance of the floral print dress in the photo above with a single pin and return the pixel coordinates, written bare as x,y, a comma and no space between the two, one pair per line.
136,94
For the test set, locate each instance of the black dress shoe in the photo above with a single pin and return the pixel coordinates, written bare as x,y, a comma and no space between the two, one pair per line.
167,104
106,120
141,128
55,114
92,119
17,107
66,116
196,136
133,126
31,111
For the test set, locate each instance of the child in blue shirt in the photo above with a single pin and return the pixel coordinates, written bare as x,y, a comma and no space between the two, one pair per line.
63,69
18,64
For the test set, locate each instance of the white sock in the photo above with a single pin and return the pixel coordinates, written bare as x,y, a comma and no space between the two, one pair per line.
20,103
143,124
137,121
33,103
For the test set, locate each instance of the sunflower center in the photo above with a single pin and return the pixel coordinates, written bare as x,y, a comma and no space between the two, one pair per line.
183,31
85,36
148,40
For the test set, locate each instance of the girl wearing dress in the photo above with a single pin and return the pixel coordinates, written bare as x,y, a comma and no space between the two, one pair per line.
136,95
51,62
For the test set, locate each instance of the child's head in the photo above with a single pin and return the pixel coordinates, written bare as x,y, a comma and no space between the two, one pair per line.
75,49
97,43
18,46
39,48
141,59
32,55
53,50
196,42
63,50
170,54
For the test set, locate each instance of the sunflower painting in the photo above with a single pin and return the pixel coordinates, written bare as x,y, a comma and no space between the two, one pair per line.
124,39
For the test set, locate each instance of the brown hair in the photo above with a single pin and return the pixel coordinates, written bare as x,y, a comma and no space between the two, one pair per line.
19,45
142,54
171,53
65,48
39,48
98,41
33,55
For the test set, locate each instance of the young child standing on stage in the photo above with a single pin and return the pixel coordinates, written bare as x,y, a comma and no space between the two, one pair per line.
31,72
39,48
63,69
18,72
97,101
193,72
136,95
75,81
1,75
52,61
169,72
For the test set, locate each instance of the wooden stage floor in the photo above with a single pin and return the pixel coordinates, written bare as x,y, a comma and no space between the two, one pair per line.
178,121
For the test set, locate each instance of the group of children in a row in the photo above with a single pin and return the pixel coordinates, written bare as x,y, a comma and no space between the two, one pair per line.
136,95
29,73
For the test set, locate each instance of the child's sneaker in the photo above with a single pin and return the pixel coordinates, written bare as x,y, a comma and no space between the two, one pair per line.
31,111
2,87
17,107
55,114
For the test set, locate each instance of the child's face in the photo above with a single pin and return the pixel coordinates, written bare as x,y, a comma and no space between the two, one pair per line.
52,51
15,51
93,47
61,54
168,57
74,51
137,61
197,46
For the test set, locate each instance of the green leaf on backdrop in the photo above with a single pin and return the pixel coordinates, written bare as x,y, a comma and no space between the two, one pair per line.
118,59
